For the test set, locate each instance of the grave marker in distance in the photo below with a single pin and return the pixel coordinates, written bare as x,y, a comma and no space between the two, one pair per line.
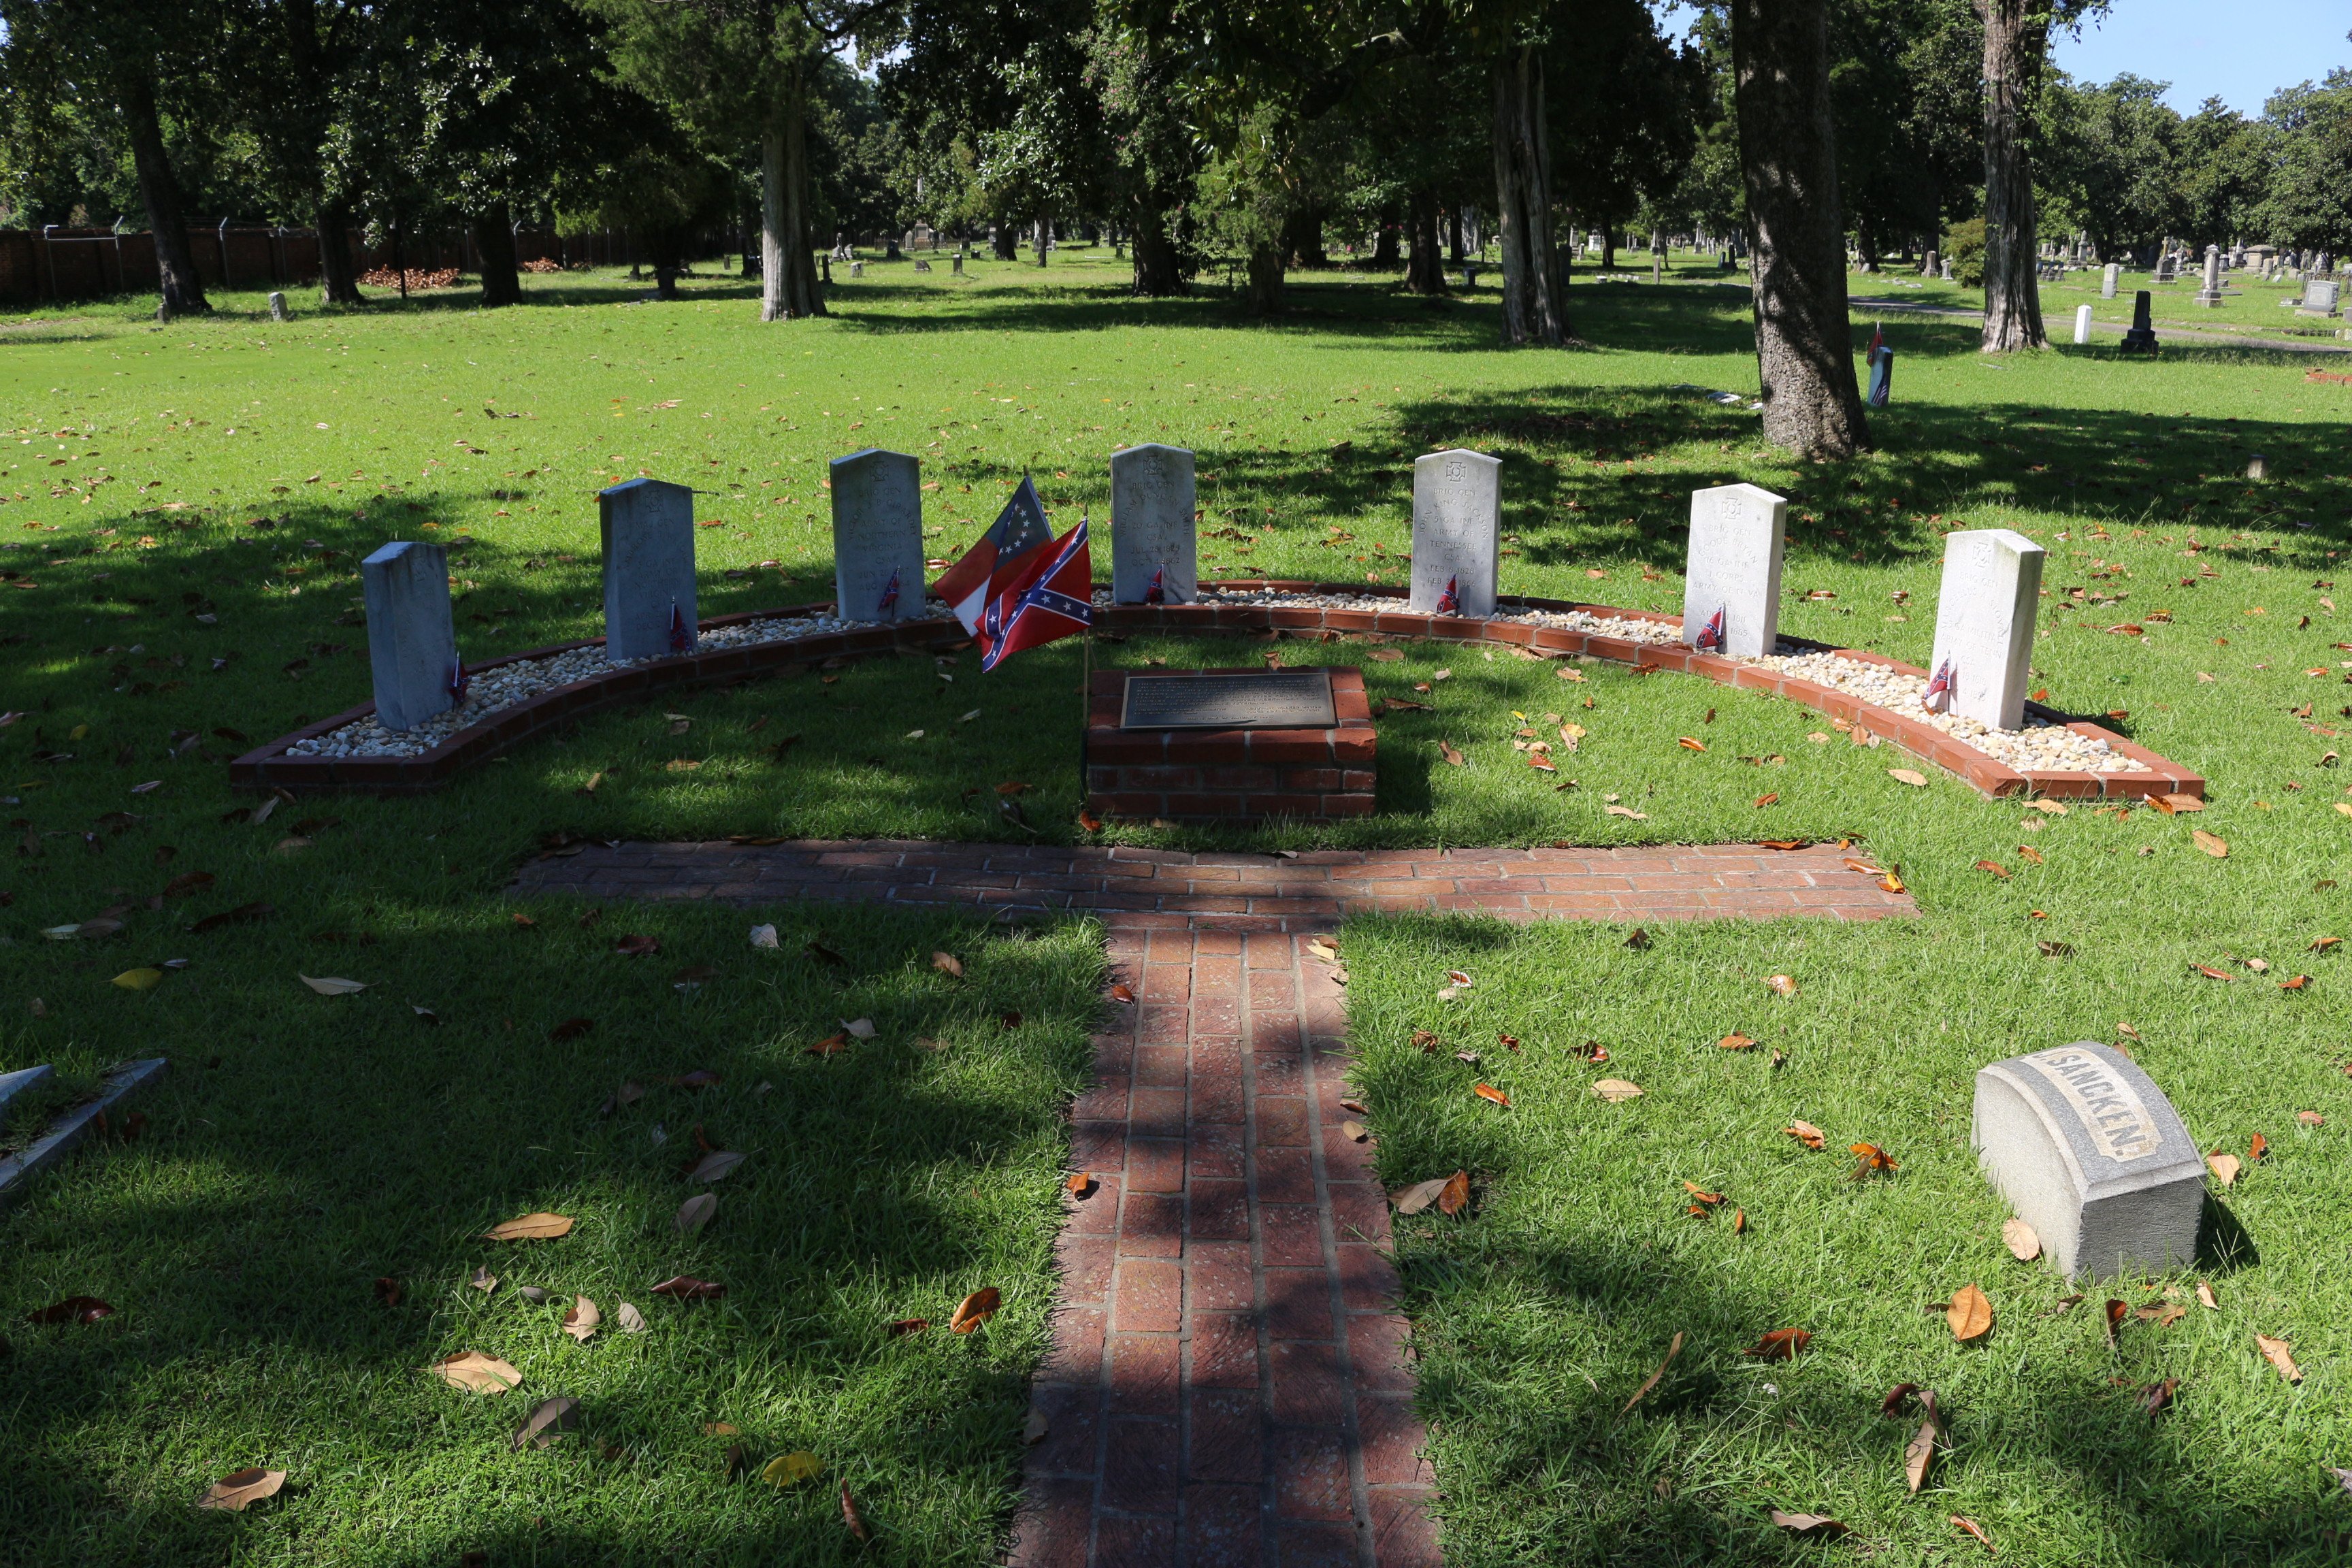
646,529
877,536
1457,524
2091,1154
1984,625
1154,543
2107,278
412,640
1731,585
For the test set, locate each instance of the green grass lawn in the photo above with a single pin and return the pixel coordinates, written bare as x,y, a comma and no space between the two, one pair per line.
307,1145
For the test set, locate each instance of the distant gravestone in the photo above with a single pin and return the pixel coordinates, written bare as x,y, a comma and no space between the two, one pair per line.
2209,293
2091,1154
2082,323
2108,277
646,527
1932,267
2141,339
1457,524
922,265
276,306
857,269
412,641
1731,583
1153,540
877,536
1984,625
2318,298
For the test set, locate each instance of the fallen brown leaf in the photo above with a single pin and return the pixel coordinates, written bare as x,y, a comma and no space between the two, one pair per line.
1735,1041
2205,1294
1970,1527
1411,1200
1808,1524
473,1369
2023,1243
1785,985
530,1227
1919,1454
544,1424
948,964
235,1491
2276,1351
1969,1315
686,1287
1780,1344
1805,1132
1616,1090
1487,1091
1455,1196
1672,1351
2216,848
582,1320
849,1517
696,1213
2224,1168
976,1309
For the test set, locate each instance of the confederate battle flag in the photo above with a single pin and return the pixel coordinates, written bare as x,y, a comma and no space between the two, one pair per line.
1052,598
979,580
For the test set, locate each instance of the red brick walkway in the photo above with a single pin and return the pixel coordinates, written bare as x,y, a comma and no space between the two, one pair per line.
1168,890
1228,1382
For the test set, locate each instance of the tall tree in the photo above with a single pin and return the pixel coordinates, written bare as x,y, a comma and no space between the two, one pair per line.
295,68
2310,200
138,59
2016,36
1533,310
1788,152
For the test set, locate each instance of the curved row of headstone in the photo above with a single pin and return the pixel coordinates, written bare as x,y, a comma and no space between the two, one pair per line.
1731,598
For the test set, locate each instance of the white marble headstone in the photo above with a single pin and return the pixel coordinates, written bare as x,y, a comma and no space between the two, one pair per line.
412,641
1457,525
877,536
1734,572
1153,540
2082,323
2091,1154
647,529
2107,280
1984,625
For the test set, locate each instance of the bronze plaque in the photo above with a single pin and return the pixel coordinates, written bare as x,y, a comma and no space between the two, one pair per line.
1253,700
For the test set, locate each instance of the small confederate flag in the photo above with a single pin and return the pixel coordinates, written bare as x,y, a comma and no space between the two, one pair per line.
681,636
1937,698
1156,592
1051,598
1711,636
889,593
979,579
1449,602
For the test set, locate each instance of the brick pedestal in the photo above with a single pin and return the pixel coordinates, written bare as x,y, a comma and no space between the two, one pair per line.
1230,774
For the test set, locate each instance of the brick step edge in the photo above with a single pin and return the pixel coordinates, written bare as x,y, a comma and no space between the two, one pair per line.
124,1084
267,767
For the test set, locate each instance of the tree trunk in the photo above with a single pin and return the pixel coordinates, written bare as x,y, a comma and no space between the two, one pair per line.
787,267
1607,248
338,280
1302,237
1453,235
1005,242
182,289
1045,239
1426,273
2012,58
1158,272
1385,254
494,243
1787,156
1266,280
1532,311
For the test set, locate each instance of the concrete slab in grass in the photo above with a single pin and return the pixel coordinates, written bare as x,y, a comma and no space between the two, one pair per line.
124,1085
13,1084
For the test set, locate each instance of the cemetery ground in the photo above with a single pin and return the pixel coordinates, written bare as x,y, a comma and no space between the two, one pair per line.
307,1146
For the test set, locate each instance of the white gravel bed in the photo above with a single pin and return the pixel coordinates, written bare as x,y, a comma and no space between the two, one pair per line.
2039,747
490,691
1628,627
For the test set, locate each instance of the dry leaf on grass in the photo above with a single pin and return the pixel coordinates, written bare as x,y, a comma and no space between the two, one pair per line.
830,1046
1616,1090
1411,1200
139,979
1919,1454
1812,1525
1872,1159
232,1492
473,1369
976,1309
2156,1397
1452,756
2224,1168
905,1326
1487,1091
584,1319
849,1517
530,1227
2217,848
483,1280
1911,776
791,1469
330,986
2205,1294
1735,1041
1672,1351
686,1287
696,1213
1970,1527
1969,1315
632,1321
2117,1313
2275,1351
2020,1238
1805,1132
1780,1344
764,936
1690,743
714,1166
551,1419
1782,984
1627,812
1455,1196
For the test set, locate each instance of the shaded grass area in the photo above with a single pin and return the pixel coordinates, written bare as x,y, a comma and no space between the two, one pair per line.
342,1139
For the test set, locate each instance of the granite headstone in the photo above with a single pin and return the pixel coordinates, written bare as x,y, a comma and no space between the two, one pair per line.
1457,524
1154,543
877,536
412,640
2091,1154
1731,585
1984,626
646,529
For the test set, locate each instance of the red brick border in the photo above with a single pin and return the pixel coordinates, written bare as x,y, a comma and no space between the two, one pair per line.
1230,774
268,766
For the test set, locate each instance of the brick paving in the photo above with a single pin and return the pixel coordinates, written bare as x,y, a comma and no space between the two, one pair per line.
1229,1381
1171,890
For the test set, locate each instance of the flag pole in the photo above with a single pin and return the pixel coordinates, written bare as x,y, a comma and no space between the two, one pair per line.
1085,678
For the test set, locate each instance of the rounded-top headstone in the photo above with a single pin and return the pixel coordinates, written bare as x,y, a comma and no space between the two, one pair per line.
2091,1154
878,535
412,639
646,527
1731,583
1457,523
1154,543
1984,625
